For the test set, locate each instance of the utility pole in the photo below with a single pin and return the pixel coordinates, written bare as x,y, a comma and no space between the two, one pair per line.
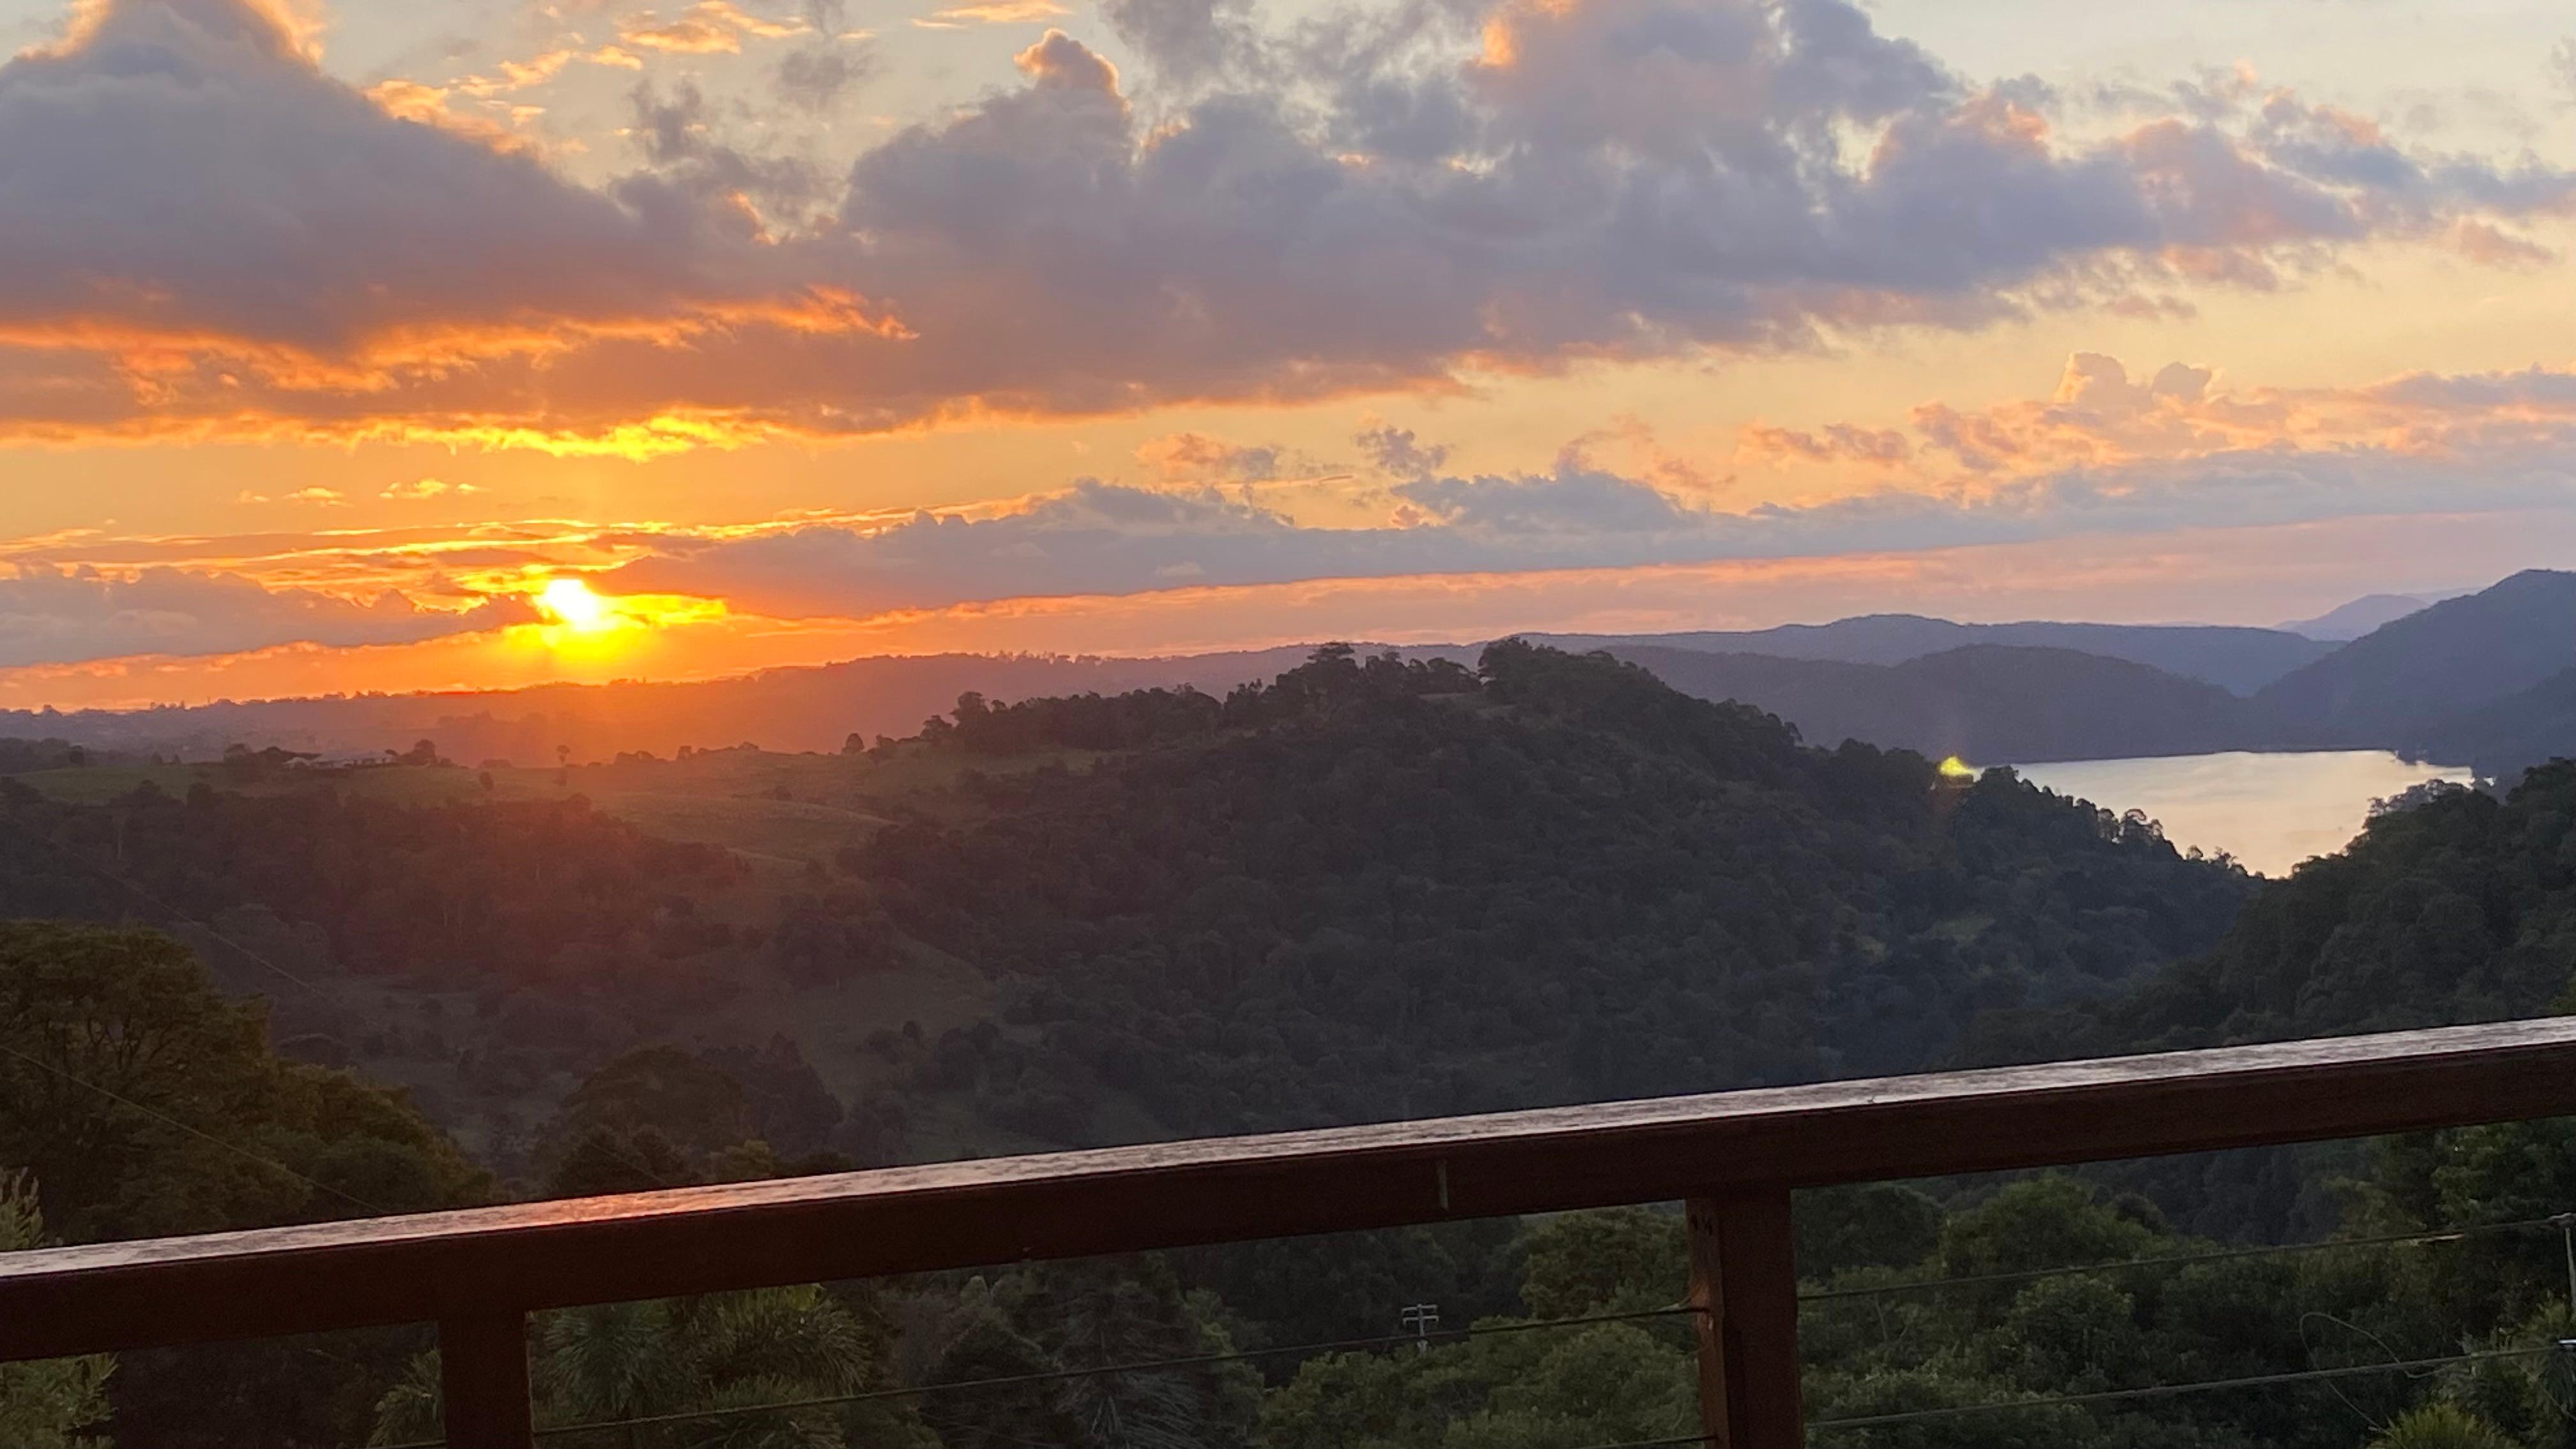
1420,1319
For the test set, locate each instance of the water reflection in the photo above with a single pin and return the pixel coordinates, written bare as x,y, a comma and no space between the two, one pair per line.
2270,811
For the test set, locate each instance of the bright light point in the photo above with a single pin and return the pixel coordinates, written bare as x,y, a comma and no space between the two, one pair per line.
574,606
1955,768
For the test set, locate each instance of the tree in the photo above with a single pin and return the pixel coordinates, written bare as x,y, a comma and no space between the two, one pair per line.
1623,1260
2442,1425
145,1103
722,1361
148,1104
693,1104
45,1405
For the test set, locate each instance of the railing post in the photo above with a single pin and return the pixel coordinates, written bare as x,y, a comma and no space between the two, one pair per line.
1744,1281
483,1377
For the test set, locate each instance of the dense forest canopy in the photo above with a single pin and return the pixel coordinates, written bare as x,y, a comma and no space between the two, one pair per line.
1378,888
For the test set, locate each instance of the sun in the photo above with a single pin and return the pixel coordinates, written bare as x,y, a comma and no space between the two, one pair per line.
574,606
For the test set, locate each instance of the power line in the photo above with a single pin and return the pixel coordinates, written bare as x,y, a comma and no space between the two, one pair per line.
2318,1375
2158,1391
148,898
2178,1260
1860,1421
167,1120
1209,1360
912,1391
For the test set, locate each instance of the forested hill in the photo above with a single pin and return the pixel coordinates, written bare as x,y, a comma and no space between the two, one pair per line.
2236,659
2460,909
2400,682
2511,734
1378,889
1985,702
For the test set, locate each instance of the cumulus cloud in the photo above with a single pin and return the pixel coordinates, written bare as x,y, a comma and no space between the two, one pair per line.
66,615
815,77
677,138
1186,40
181,172
1368,202
1197,457
193,212
1398,451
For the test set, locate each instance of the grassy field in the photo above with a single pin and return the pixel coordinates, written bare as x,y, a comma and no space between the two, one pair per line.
776,809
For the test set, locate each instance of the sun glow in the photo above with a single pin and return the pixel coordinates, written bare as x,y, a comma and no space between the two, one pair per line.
575,607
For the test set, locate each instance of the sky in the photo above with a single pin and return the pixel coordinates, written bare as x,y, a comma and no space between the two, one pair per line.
336,337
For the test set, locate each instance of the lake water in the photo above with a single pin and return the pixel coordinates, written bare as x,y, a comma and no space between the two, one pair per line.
2270,811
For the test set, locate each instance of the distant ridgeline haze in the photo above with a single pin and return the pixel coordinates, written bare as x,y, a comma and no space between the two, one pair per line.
2487,680
2239,660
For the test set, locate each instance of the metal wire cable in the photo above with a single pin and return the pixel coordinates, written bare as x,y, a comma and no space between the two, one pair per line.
148,898
169,1121
2159,1391
2178,1260
1347,1345
66,852
1852,1422
1857,1421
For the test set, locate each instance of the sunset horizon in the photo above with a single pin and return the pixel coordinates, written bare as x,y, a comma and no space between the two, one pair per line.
1287,724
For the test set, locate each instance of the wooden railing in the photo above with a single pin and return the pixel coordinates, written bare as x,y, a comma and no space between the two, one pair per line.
1734,1157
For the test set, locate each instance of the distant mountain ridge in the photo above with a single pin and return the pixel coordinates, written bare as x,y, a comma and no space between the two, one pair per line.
2238,659
1985,703
2348,622
790,709
2399,684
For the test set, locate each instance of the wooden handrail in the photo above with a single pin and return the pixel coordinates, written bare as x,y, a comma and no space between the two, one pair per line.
1735,1156
525,1256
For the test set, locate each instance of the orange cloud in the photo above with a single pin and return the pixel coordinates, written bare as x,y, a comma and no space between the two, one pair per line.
2098,416
992,12
2491,246
1834,443
709,27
